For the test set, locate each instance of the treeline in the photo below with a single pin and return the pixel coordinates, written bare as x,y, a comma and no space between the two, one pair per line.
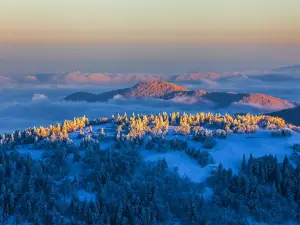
265,189
130,191
137,126
34,135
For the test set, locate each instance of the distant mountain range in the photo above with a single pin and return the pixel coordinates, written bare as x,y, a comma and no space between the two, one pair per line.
289,115
169,91
289,69
275,75
145,89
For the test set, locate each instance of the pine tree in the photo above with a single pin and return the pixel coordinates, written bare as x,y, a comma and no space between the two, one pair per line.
75,183
250,165
274,193
243,167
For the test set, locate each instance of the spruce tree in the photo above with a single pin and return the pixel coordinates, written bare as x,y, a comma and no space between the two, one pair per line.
244,165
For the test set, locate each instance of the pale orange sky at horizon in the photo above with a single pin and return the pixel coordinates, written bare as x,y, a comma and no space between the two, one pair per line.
190,22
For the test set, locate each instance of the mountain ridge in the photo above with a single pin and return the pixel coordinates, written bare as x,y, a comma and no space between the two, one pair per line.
168,91
292,68
291,115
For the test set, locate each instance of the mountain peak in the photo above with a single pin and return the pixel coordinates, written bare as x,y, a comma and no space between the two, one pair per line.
168,91
154,89
267,101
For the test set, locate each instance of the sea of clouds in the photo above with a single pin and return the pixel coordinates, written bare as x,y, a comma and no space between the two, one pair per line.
35,99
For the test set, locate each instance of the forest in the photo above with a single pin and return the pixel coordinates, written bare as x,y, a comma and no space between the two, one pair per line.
93,172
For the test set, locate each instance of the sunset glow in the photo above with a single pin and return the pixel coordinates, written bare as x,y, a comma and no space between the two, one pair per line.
235,22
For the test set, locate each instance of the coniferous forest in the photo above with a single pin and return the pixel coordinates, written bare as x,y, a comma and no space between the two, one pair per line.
94,172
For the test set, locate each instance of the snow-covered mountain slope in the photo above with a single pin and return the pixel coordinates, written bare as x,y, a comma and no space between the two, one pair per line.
228,152
159,159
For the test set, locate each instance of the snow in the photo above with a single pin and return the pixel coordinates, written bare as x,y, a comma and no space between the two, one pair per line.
208,193
74,137
109,129
230,152
185,164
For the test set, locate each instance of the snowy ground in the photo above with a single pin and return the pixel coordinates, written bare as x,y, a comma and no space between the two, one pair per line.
185,164
229,152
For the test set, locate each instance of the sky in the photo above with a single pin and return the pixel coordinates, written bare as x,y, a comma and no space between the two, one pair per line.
192,34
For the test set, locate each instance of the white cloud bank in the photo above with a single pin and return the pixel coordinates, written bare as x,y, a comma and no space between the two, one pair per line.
39,97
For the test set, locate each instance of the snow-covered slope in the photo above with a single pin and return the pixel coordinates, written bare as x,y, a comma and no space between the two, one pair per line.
228,152
86,158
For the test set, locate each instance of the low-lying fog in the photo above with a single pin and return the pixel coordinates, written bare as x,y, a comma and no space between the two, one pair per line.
28,104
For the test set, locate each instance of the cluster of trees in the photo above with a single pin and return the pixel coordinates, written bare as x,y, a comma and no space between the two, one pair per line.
296,147
282,133
67,126
27,190
203,157
200,134
99,121
34,135
128,190
234,123
52,143
192,124
267,190
159,143
141,124
89,143
184,127
177,144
